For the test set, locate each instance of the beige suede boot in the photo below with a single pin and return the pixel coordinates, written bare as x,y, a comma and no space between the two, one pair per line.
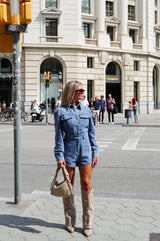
87,203
70,213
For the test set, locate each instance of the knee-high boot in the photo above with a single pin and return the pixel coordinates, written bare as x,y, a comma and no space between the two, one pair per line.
70,213
87,203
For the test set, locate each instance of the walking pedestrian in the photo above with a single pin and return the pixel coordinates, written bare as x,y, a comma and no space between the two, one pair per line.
102,108
110,107
96,105
75,145
58,103
135,110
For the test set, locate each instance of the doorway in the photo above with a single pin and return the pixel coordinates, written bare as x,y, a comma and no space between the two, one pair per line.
5,81
155,88
113,83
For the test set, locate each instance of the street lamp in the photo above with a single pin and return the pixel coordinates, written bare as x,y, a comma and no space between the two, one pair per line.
60,74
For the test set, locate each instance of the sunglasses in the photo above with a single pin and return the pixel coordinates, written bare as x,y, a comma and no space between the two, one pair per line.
80,90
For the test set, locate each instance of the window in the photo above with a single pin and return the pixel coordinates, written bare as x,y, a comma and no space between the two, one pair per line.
136,90
85,6
132,35
156,12
136,65
86,29
51,27
89,89
157,40
110,32
131,13
51,3
109,8
89,62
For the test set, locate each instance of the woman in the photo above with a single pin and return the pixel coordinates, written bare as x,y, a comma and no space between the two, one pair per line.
110,107
135,110
75,145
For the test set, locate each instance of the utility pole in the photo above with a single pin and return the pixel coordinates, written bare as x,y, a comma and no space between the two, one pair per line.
17,104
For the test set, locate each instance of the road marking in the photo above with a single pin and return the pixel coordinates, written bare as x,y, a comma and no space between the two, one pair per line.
145,149
103,145
132,142
8,129
104,142
107,139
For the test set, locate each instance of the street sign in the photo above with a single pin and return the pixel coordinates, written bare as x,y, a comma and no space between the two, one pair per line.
60,86
15,28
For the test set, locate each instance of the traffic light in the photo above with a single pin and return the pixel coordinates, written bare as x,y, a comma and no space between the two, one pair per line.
49,77
45,79
47,83
5,12
25,11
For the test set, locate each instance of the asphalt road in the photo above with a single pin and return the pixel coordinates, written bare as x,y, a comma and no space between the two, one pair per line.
129,163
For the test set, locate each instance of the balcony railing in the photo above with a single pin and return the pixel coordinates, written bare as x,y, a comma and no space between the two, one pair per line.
51,39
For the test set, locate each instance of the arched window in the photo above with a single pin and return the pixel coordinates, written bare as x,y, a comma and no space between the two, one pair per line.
55,67
5,66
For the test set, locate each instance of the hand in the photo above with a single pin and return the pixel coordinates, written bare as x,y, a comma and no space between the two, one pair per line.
95,161
60,163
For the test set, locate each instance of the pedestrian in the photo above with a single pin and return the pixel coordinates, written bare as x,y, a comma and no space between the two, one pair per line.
0,107
130,107
135,110
102,108
96,105
3,106
84,101
58,103
75,145
91,104
52,104
110,107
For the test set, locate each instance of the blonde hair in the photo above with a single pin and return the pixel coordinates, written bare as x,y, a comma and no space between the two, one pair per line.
69,92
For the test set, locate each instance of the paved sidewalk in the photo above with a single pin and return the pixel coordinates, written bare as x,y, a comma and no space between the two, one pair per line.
150,120
40,216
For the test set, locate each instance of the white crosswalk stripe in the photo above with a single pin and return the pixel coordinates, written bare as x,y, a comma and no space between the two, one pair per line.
104,143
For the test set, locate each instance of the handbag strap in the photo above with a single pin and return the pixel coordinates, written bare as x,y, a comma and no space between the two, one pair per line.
65,172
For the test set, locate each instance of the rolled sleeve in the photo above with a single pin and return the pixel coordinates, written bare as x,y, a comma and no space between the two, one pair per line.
92,138
59,145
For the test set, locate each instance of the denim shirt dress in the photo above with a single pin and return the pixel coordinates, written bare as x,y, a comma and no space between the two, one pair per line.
75,140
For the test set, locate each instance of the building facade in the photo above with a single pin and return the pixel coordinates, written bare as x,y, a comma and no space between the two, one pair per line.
110,46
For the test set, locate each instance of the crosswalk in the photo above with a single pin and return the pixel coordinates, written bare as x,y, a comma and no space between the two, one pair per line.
104,143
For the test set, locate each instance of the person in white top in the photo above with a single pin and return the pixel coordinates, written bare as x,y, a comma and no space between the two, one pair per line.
58,103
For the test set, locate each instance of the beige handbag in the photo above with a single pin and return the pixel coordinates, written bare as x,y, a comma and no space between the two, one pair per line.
62,189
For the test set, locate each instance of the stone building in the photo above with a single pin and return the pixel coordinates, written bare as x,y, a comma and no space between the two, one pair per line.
110,46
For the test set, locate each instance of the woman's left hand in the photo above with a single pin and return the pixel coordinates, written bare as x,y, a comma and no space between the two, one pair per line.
95,161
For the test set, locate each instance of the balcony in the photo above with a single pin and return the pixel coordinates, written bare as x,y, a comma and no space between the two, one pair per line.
137,46
51,39
115,44
91,41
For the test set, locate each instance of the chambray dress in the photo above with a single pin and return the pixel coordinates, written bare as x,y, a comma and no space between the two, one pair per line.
75,140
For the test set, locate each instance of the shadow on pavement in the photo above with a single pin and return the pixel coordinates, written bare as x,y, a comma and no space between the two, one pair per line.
21,223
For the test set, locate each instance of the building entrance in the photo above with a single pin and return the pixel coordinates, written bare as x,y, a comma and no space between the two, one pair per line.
113,83
155,89
5,81
55,67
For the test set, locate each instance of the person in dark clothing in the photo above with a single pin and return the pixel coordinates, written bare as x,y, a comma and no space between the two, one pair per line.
102,109
96,105
53,104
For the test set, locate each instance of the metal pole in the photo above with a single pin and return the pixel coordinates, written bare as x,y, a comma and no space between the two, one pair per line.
17,105
46,104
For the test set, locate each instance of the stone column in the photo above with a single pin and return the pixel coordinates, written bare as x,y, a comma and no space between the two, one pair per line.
101,32
126,42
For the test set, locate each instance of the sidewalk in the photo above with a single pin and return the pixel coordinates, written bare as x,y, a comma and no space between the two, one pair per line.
40,216
145,120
